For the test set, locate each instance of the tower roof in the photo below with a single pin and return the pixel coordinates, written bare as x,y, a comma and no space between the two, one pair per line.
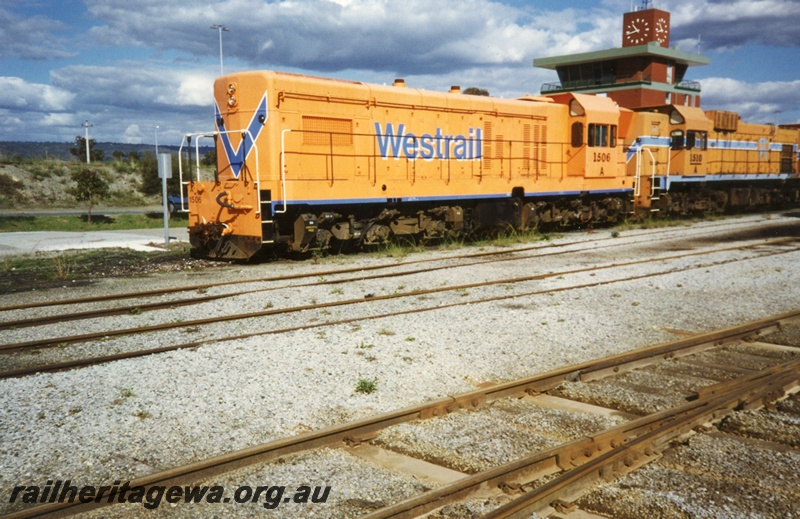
651,50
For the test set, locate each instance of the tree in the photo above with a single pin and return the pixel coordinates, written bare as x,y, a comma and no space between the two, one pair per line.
475,91
79,151
90,186
151,183
118,155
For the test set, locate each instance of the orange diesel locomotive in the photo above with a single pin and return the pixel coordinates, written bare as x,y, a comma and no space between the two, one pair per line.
306,162
312,162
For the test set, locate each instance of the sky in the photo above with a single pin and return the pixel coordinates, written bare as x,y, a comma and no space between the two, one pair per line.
143,70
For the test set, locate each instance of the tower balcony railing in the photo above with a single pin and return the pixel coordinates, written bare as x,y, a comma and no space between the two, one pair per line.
595,83
689,85
601,83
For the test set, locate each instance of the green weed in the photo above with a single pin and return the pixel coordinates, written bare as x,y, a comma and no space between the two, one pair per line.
367,386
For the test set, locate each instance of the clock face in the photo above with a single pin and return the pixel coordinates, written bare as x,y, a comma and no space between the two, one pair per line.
637,31
662,30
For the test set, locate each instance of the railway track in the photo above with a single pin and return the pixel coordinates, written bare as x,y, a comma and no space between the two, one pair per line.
141,416
562,248
103,335
752,375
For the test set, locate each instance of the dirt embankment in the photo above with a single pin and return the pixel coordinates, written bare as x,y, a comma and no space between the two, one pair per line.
47,185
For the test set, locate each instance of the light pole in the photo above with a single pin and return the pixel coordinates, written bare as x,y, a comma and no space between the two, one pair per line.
87,126
157,141
220,28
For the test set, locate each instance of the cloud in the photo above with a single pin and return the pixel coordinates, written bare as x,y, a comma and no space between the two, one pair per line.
134,85
755,102
413,36
133,134
32,37
153,62
17,93
126,101
59,120
723,24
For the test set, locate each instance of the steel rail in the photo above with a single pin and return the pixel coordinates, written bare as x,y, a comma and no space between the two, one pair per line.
152,293
288,277
157,292
603,454
106,312
71,339
354,431
746,392
140,353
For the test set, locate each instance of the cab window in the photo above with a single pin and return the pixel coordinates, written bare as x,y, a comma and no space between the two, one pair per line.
577,135
676,140
696,140
602,135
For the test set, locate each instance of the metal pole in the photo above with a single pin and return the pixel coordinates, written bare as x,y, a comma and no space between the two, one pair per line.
165,172
87,126
164,201
165,208
220,28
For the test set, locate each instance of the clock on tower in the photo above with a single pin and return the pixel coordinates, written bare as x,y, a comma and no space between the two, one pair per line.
642,27
637,31
662,30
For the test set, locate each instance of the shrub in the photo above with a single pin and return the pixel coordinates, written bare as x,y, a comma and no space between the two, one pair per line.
10,189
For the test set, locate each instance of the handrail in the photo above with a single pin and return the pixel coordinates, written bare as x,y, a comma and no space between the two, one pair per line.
283,172
638,189
256,180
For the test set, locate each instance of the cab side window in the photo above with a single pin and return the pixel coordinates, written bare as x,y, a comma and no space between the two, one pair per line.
695,140
676,140
577,135
602,135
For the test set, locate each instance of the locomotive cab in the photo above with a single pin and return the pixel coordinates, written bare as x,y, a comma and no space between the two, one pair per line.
593,150
688,140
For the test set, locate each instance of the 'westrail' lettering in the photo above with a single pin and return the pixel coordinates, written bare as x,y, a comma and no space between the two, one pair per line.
426,146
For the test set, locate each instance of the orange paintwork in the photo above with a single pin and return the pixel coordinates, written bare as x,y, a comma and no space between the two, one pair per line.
486,146
290,143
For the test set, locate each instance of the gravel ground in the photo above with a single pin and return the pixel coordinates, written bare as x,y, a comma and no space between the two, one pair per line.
125,419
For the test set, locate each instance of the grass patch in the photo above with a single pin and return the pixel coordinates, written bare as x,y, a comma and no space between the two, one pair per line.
100,222
21,273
